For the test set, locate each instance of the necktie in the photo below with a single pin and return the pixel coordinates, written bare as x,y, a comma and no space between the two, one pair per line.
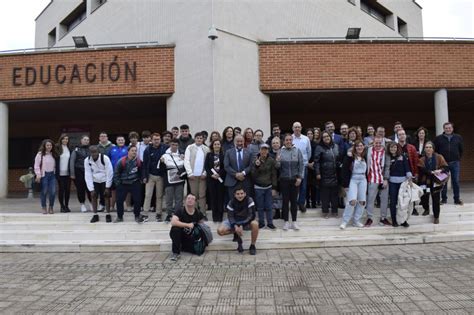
239,159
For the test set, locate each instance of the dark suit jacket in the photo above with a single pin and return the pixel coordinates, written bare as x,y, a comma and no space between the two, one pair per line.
230,166
209,164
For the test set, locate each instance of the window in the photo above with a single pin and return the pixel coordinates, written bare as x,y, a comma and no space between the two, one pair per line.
52,38
376,10
95,4
74,18
22,151
402,27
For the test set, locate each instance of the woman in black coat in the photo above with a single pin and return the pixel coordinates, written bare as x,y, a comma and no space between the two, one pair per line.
214,166
326,165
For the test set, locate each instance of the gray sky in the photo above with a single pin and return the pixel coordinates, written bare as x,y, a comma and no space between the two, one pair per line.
441,18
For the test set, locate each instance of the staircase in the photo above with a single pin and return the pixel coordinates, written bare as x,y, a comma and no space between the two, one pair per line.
72,232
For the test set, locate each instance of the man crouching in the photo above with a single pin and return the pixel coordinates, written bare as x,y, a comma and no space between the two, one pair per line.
182,225
240,217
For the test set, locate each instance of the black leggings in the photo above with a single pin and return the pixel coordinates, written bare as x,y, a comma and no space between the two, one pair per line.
81,186
289,194
329,195
64,191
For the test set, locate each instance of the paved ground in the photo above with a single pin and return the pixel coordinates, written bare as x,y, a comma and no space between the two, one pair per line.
434,279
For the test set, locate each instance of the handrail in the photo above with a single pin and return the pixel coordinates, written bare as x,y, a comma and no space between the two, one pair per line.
91,47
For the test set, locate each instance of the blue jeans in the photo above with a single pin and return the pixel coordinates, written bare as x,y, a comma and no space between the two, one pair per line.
302,193
263,200
357,192
48,188
454,169
393,190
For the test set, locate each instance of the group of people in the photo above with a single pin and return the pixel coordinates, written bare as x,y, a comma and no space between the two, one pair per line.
253,180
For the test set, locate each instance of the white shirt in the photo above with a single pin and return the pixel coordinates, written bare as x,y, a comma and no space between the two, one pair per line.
64,162
302,142
141,146
199,161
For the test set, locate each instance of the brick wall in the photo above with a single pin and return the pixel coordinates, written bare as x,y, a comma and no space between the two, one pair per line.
363,65
86,73
311,66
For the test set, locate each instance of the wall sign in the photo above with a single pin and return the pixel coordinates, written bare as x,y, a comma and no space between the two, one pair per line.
69,74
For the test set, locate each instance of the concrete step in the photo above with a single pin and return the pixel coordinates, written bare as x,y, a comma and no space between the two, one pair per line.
227,244
129,223
316,217
144,232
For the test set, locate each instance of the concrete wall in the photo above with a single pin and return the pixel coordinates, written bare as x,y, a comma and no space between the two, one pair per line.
217,83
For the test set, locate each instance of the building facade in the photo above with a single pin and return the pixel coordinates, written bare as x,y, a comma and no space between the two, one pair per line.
151,65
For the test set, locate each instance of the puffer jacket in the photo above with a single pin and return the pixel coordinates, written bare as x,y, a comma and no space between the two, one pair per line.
77,158
327,162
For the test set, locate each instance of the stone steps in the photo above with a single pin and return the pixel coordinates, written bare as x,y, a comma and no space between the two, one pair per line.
161,231
72,232
227,244
452,214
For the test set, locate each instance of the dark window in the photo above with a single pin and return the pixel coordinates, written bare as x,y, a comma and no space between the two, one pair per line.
74,18
22,152
402,27
95,4
375,9
52,38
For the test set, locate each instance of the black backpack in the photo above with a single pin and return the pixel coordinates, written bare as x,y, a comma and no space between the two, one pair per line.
200,241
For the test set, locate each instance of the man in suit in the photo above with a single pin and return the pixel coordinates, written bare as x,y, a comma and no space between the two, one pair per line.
237,166
337,139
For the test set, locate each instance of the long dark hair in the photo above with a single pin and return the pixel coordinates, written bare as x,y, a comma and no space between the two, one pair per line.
59,144
224,138
211,146
399,149
418,131
42,148
330,144
354,150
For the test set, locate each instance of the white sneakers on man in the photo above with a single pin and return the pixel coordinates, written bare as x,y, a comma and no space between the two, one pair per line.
343,225
286,226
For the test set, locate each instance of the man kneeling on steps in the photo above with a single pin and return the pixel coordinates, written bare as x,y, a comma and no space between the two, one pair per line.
99,174
240,217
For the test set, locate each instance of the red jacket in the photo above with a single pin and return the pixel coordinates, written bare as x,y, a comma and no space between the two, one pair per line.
413,158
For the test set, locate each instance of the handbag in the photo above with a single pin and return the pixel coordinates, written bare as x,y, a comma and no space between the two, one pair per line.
441,178
181,170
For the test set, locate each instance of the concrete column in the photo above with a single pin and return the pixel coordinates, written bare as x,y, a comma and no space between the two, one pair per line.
441,110
3,150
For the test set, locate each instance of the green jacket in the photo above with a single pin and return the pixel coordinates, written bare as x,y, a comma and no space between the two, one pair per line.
265,174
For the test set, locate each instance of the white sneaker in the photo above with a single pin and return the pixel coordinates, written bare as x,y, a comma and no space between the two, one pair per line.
83,208
100,208
358,224
343,226
286,226
295,226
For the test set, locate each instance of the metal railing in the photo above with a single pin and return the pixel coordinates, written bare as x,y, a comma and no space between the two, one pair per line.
91,47
373,38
